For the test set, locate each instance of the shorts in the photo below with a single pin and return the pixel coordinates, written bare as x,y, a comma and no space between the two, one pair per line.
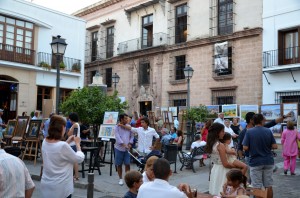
261,176
74,148
122,157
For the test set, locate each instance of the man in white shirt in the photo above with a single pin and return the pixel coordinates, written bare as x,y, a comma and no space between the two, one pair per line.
145,136
160,187
220,118
229,130
15,180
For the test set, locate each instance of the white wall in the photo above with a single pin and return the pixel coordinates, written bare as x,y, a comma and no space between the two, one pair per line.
279,15
51,23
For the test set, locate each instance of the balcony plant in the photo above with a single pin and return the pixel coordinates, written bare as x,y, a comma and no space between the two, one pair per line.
44,65
62,65
76,67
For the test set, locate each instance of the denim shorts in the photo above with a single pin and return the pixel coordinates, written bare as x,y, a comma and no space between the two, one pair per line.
261,176
121,157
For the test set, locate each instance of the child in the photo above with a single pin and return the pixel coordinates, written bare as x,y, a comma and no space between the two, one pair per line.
134,180
235,185
290,147
231,154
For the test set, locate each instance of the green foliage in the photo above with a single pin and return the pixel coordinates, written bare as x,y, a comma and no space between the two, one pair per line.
91,103
62,65
197,114
76,67
44,65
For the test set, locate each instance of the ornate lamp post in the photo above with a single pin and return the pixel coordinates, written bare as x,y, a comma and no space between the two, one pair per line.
115,79
188,73
58,46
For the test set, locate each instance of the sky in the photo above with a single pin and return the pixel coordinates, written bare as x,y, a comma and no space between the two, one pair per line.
65,6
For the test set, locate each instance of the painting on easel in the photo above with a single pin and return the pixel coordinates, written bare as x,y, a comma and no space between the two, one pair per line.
34,128
22,122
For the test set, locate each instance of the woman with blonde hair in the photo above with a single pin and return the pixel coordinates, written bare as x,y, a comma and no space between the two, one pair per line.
58,160
148,174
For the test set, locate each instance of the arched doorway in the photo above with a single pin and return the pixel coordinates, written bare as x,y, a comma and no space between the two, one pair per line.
8,97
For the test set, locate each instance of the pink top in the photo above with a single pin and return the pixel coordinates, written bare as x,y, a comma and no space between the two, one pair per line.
289,142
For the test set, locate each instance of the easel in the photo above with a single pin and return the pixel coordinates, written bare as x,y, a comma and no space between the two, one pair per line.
151,116
112,152
31,144
166,119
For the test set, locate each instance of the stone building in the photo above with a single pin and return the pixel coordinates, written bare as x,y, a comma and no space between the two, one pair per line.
27,66
148,44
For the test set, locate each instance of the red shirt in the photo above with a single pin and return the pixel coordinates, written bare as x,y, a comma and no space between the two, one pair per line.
204,134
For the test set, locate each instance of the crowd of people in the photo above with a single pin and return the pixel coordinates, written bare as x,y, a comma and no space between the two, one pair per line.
241,157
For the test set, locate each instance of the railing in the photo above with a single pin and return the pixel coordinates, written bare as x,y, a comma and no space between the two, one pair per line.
48,61
16,54
158,39
279,57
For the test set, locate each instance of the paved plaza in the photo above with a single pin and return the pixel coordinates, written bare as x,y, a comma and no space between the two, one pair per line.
107,186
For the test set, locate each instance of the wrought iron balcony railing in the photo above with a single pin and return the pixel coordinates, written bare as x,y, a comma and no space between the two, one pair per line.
17,54
280,57
48,61
157,39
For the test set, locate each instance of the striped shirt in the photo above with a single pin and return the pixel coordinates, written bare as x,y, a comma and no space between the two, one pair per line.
14,176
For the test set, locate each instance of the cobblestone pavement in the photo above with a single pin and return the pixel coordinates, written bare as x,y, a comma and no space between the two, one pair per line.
285,186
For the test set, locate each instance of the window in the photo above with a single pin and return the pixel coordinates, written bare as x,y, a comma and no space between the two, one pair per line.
144,73
222,96
147,31
64,94
180,65
108,77
177,99
110,42
222,64
92,74
94,45
288,42
43,93
225,17
287,97
16,33
181,24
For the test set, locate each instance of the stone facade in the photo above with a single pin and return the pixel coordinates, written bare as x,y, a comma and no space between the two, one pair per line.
244,85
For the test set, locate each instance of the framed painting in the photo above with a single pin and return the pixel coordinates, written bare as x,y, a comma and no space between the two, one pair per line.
174,111
230,111
271,111
168,115
10,128
244,109
213,109
21,126
292,109
107,131
110,117
34,128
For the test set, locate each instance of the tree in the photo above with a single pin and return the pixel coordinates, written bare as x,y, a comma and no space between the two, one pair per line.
91,103
197,114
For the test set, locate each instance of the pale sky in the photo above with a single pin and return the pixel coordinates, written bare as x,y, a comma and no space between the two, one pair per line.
65,6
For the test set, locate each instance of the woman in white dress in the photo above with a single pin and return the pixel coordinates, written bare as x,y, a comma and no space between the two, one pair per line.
218,157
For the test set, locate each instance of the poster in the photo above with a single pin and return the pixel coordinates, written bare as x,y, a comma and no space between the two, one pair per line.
244,109
221,57
230,111
110,117
292,109
107,131
213,109
271,112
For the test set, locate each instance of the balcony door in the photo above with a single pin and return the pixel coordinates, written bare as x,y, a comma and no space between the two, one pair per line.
289,47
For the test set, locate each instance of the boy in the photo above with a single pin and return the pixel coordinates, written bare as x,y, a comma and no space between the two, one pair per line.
134,180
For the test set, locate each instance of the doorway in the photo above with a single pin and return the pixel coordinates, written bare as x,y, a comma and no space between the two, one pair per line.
145,106
8,97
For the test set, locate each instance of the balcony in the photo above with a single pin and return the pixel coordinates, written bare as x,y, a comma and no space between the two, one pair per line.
281,60
17,54
158,39
48,61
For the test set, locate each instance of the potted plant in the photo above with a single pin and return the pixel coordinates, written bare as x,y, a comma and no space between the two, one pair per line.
44,65
76,67
62,65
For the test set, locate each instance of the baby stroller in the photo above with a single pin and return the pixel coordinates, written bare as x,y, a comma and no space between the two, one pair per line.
140,160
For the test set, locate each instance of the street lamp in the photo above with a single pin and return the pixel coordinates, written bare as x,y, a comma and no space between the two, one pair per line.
115,80
58,46
188,73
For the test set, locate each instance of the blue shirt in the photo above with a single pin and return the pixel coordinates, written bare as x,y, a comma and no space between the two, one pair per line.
46,127
259,141
130,195
68,125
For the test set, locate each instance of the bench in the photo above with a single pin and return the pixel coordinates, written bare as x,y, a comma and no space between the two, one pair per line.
188,160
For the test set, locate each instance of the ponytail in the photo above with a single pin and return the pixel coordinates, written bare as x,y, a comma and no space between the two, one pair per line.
244,181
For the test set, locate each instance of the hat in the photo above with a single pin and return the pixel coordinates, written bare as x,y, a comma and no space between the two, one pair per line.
1,110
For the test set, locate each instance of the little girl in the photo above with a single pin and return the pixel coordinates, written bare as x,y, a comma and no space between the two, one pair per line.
231,154
235,185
